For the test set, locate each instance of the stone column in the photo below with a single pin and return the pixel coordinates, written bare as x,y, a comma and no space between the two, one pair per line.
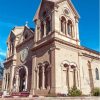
77,31
17,83
52,65
49,80
43,76
36,31
67,77
3,84
44,29
74,77
37,80
55,20
33,75
26,79
66,29
6,81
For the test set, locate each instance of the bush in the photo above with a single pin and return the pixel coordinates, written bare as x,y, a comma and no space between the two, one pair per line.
95,91
0,89
74,92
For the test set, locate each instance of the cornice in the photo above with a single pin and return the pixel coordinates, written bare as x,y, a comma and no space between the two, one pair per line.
52,40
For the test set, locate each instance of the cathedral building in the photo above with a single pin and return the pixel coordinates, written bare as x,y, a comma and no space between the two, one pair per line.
50,58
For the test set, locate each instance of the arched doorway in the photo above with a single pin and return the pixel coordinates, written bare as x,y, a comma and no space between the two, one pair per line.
22,78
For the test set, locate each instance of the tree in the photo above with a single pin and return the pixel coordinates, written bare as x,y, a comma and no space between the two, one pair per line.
1,70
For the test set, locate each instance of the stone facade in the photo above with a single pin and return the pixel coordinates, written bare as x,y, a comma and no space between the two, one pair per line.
50,58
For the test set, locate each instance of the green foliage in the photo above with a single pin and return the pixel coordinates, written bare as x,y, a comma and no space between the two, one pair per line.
0,89
95,91
74,92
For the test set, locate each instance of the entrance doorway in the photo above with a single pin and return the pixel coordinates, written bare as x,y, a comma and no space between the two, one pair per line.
22,78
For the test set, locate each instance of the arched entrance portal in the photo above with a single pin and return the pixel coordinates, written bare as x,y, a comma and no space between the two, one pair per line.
22,78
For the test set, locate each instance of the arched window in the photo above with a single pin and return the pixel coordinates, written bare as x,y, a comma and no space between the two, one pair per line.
25,36
22,77
47,25
74,75
44,14
69,27
47,74
97,74
63,25
40,76
66,66
42,29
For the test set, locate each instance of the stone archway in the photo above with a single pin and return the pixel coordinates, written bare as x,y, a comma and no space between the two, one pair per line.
74,72
21,78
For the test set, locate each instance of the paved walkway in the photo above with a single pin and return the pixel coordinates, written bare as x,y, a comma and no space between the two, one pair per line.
54,98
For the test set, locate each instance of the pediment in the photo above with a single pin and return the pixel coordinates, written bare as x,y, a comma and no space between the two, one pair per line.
45,5
51,3
27,33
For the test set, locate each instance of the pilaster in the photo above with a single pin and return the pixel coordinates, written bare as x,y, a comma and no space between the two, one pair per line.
33,75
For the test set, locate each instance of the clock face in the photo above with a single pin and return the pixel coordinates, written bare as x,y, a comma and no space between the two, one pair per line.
24,54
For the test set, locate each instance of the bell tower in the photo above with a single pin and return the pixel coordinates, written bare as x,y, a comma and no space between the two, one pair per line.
59,18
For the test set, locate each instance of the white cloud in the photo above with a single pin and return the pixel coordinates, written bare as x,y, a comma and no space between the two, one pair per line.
2,53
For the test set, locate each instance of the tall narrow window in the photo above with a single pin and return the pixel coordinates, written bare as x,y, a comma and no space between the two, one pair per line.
47,25
69,28
40,76
63,25
74,75
47,75
97,74
42,29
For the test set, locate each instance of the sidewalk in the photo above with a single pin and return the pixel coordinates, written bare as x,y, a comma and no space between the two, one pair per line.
53,98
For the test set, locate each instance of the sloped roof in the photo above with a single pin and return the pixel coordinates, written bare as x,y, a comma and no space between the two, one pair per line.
14,30
37,13
53,0
56,1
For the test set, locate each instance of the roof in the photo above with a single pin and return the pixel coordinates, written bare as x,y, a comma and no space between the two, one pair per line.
55,2
18,30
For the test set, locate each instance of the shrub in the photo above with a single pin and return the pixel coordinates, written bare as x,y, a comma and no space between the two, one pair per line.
0,89
74,92
95,91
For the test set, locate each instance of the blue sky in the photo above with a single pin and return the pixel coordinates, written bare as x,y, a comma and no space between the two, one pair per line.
17,12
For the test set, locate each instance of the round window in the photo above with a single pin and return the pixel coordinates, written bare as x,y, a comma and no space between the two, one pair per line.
66,11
